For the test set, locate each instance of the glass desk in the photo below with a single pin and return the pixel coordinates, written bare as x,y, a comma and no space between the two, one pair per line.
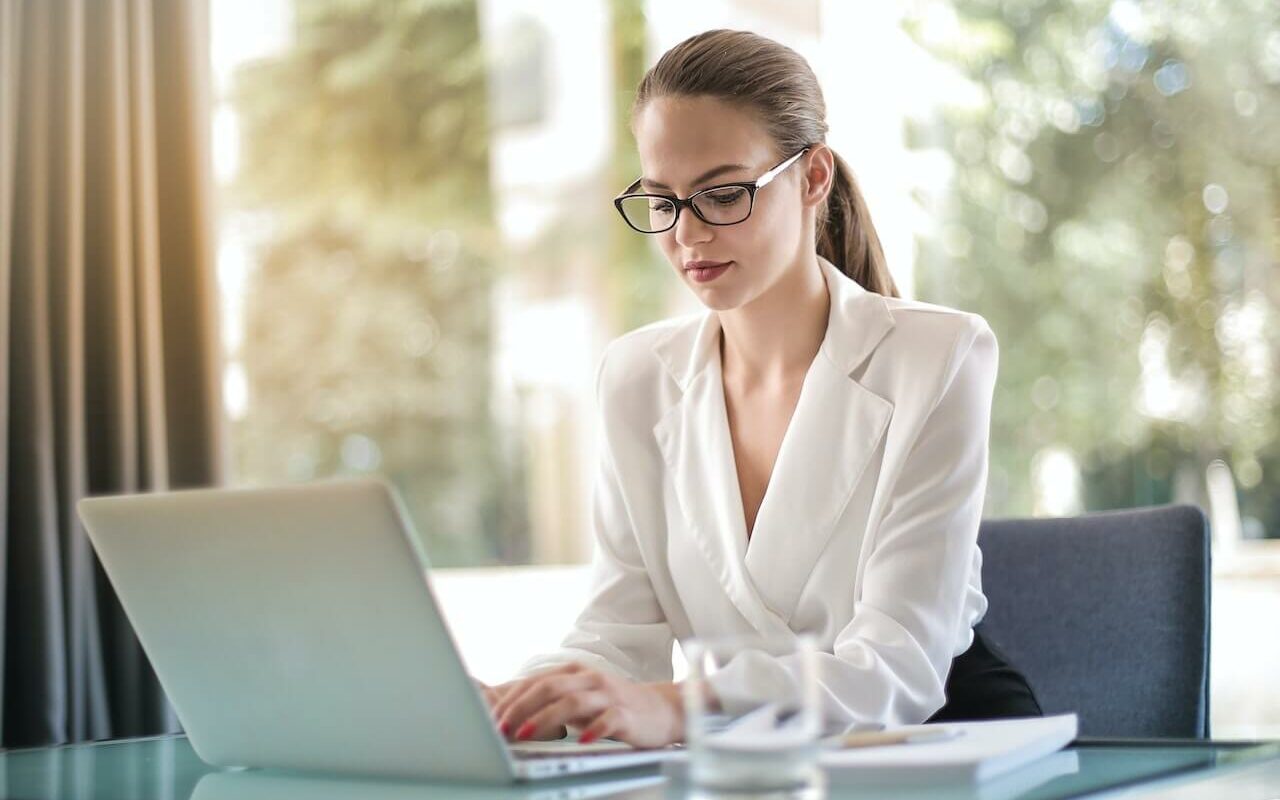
166,768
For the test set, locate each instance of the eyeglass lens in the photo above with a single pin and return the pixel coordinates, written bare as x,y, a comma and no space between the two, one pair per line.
725,206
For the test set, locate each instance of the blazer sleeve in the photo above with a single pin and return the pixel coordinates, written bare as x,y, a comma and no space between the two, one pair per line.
891,660
623,628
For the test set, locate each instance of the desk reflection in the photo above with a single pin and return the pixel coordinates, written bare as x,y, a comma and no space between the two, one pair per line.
268,785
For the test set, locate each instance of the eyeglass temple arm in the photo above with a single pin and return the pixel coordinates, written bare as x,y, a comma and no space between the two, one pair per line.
760,183
773,173
634,185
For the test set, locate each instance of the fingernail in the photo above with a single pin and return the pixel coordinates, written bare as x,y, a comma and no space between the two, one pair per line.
525,731
587,737
504,728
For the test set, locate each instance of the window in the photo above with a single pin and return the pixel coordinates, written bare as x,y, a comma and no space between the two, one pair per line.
1105,193
420,264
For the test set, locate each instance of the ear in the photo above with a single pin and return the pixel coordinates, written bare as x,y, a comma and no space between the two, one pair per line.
819,166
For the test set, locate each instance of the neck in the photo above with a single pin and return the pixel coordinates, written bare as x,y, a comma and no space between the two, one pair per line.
776,336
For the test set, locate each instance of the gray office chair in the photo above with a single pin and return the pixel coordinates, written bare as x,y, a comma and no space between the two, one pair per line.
1107,615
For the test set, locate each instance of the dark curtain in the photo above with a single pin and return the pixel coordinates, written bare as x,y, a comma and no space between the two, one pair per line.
109,366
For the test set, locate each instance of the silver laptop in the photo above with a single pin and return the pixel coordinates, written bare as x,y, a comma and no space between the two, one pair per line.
295,628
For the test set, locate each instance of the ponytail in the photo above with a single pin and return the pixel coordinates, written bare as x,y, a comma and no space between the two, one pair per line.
847,238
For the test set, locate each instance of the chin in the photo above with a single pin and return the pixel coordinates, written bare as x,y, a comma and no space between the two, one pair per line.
718,298
727,293
712,305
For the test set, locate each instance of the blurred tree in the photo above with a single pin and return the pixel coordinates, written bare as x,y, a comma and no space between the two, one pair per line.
1113,209
367,317
639,275
632,282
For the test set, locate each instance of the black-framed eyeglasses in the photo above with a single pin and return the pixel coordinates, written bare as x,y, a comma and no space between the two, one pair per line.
725,204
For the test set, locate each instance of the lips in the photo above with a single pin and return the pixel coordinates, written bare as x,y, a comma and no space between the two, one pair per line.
704,271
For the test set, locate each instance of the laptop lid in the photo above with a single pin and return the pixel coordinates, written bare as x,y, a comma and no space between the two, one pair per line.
295,627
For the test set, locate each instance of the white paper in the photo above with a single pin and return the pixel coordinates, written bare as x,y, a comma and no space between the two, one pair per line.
983,751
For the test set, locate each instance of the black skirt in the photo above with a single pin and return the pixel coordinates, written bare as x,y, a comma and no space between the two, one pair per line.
983,685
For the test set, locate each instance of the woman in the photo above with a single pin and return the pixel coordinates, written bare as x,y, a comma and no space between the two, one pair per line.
810,454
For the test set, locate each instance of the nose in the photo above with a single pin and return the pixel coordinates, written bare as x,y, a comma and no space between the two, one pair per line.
691,230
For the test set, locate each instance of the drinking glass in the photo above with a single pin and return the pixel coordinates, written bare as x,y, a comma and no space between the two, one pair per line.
753,719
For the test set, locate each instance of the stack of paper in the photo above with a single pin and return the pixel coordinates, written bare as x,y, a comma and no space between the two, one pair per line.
982,751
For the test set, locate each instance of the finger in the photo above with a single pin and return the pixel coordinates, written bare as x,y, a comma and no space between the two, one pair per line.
532,698
500,691
527,691
486,691
604,724
513,689
496,693
549,722
516,711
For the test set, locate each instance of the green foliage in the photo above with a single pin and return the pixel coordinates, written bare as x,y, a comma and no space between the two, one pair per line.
367,335
632,276
638,276
377,110
1115,209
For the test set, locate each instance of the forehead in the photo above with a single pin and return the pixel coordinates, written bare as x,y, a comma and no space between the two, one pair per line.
679,138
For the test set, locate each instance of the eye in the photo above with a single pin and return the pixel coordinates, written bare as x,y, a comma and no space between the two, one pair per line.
727,196
658,206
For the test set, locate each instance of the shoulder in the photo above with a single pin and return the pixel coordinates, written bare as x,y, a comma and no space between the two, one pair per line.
631,361
942,332
634,384
926,348
918,318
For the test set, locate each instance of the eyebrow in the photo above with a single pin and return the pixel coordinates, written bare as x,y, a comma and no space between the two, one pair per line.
703,178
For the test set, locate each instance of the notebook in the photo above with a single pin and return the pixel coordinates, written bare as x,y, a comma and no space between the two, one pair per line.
982,751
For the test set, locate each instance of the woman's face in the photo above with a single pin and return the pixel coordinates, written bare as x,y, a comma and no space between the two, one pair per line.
691,143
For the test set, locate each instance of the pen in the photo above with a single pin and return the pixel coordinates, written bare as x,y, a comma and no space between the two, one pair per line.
880,738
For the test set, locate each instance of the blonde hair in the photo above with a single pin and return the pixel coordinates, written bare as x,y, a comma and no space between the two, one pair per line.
775,83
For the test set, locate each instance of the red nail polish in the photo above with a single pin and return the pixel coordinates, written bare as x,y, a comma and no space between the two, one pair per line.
525,731
504,728
587,737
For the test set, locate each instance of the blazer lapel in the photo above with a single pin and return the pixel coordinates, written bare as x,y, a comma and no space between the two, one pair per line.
693,436
834,431
836,427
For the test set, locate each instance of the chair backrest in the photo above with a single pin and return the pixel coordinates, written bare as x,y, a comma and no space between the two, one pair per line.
1107,615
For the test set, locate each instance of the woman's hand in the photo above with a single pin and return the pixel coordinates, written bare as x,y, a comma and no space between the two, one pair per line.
601,704
492,694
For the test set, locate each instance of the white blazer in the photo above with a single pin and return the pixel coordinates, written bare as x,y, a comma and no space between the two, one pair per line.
867,533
